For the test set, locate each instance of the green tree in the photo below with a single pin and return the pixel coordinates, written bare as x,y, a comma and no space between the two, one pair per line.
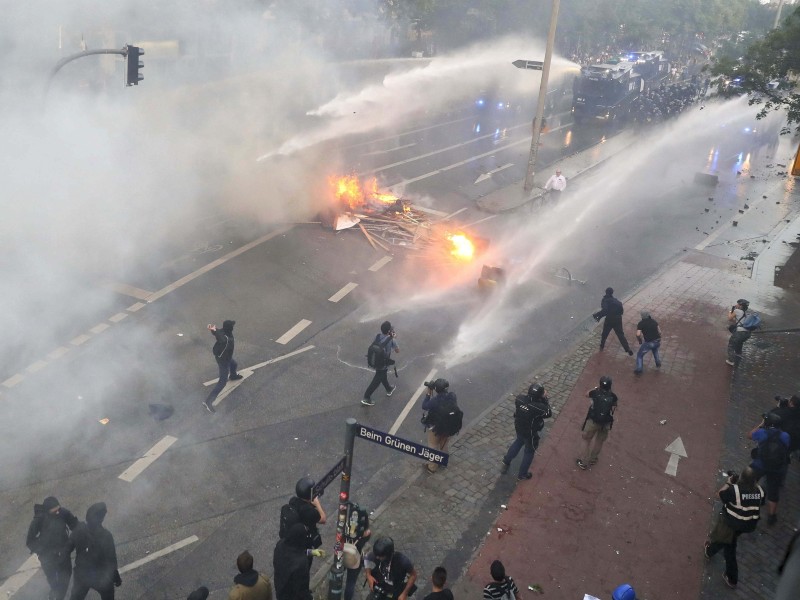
775,58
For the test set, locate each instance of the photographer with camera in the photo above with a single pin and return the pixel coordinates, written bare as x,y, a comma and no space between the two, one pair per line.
390,575
770,459
598,422
739,335
531,410
742,499
788,410
443,418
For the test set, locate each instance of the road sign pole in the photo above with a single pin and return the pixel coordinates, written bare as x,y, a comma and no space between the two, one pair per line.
336,575
537,121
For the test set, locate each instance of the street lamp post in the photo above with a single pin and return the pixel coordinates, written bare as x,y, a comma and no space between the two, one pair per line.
537,121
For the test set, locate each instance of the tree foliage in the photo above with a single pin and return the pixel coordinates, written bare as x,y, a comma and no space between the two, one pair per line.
768,69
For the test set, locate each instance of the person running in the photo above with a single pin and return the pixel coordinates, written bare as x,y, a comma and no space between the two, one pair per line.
223,354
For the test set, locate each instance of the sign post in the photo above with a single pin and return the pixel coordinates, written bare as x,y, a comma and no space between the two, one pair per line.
336,575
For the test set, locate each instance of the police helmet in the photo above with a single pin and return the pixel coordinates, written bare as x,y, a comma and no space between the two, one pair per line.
745,304
383,548
441,385
623,592
305,488
605,382
772,419
536,391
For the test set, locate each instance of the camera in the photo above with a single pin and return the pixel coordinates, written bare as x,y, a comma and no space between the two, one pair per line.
379,593
782,402
431,385
732,475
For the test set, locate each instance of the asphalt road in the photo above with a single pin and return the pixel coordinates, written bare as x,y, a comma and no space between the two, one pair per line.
225,476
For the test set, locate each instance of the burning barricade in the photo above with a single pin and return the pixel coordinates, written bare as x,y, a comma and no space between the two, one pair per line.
387,220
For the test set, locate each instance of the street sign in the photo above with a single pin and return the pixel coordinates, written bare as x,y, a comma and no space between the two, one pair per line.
536,65
328,478
401,445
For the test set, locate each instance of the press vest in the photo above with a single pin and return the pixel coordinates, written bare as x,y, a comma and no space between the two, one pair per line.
744,511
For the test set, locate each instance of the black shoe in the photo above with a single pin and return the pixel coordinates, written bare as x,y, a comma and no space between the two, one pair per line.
728,582
525,477
630,352
601,348
504,467
635,372
706,546
391,391
209,407
367,402
236,377
581,464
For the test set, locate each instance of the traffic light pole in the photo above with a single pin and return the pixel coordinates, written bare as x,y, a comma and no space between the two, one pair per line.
537,121
336,575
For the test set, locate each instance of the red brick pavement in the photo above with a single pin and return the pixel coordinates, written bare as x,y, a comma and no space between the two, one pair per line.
626,520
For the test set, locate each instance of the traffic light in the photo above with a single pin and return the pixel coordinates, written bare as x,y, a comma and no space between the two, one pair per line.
132,75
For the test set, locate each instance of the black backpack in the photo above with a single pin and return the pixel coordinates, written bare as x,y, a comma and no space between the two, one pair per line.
376,353
448,418
602,406
773,452
289,517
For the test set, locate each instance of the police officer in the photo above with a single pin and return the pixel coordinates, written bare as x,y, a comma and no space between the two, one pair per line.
531,411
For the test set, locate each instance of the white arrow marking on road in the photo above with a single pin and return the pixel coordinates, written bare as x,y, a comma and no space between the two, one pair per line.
21,577
410,404
488,174
158,554
230,386
676,451
263,364
148,459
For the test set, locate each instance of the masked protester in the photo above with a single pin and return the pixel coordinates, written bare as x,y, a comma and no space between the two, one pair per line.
291,569
48,538
223,354
95,556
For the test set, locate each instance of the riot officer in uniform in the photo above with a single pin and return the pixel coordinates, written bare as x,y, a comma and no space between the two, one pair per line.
531,410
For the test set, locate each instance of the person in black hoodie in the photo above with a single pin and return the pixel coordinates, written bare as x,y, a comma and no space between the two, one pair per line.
95,556
48,537
612,310
223,353
292,572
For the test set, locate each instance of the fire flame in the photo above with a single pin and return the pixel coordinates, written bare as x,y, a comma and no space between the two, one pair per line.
463,248
349,190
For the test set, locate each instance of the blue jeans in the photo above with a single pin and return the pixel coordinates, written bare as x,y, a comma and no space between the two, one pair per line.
644,349
226,367
530,444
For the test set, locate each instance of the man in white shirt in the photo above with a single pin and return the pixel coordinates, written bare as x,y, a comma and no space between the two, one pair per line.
555,185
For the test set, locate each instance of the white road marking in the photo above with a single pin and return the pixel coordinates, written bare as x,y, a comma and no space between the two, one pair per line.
410,404
79,340
389,150
488,174
135,307
214,264
100,328
481,220
343,292
158,554
462,162
431,211
37,366
127,290
397,135
148,459
266,362
118,317
435,152
13,380
453,214
676,451
58,353
287,337
380,263
21,577
230,386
